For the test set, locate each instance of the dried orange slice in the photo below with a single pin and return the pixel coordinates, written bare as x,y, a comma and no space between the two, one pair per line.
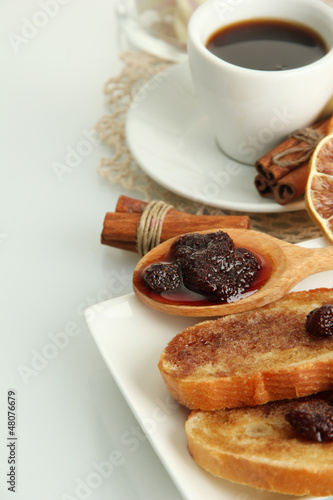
319,188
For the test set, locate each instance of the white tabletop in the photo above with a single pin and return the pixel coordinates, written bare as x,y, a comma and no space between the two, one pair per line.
70,418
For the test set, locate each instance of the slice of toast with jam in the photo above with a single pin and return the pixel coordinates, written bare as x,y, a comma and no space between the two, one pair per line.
251,358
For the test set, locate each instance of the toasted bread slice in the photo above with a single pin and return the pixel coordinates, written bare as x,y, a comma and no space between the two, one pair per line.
256,446
251,358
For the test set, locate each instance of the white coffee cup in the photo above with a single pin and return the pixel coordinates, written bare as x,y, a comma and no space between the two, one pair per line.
251,111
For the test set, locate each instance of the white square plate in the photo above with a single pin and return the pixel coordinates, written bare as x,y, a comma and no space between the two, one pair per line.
131,338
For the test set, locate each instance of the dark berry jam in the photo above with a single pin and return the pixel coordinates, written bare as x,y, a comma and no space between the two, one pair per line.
161,277
312,420
201,268
319,322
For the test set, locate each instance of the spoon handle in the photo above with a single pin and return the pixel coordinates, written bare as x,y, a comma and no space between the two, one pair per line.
307,261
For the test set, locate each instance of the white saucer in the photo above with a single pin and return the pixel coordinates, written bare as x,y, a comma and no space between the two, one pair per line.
170,137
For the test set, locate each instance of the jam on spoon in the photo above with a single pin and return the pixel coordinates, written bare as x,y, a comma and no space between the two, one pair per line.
201,268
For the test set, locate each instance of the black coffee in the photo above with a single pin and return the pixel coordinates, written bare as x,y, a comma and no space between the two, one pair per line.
267,44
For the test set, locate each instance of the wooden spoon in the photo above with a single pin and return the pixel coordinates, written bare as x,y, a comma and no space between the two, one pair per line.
290,265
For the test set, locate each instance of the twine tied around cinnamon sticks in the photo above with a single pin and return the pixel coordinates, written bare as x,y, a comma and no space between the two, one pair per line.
311,138
283,172
150,226
135,226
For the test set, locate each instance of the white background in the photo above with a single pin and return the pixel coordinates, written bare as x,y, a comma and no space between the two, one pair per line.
70,416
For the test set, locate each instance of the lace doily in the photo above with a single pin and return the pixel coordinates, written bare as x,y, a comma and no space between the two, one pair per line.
121,168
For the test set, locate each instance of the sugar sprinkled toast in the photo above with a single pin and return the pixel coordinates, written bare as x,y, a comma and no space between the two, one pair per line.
258,447
250,358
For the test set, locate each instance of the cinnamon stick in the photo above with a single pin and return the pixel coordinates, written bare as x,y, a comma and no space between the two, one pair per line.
126,204
292,185
287,180
120,227
262,186
272,172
